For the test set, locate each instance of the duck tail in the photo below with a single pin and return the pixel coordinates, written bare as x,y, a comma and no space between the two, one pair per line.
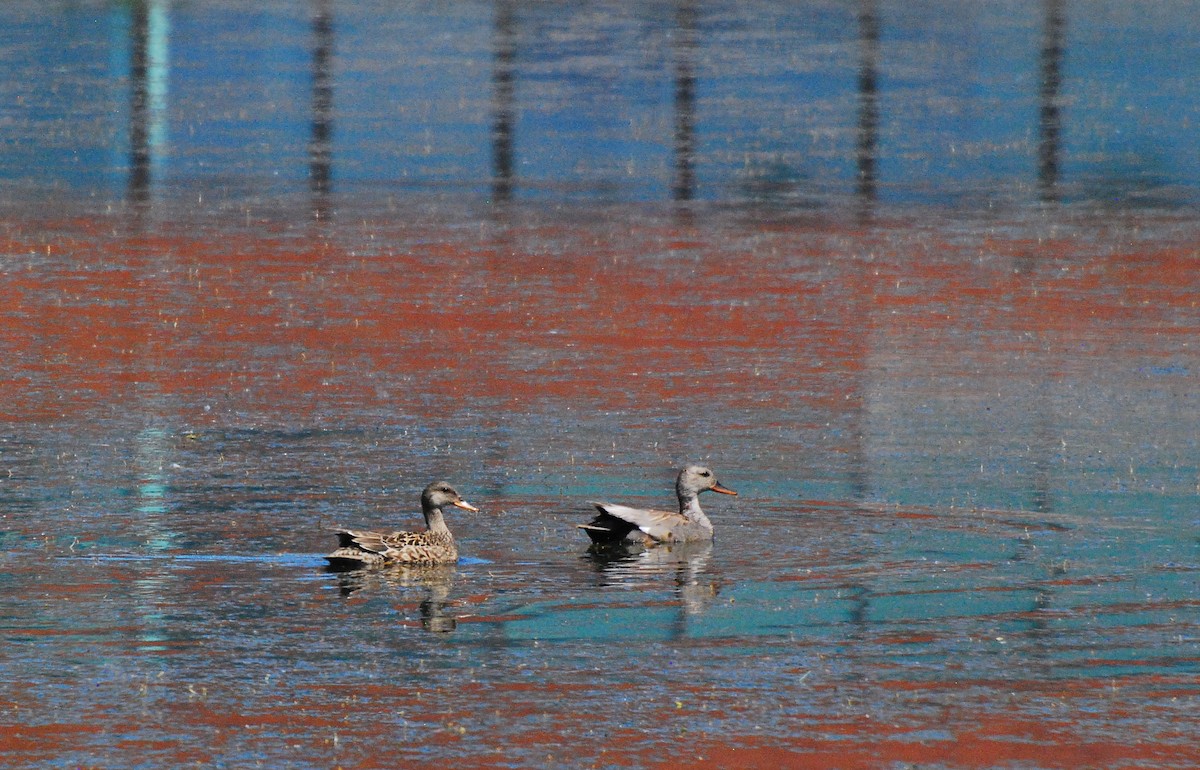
606,530
345,559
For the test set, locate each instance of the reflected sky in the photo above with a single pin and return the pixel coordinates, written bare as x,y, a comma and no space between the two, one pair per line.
792,104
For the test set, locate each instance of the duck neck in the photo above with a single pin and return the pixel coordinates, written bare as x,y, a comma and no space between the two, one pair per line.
689,507
434,521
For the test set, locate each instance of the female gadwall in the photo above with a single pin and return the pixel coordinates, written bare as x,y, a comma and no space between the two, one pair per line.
433,546
617,523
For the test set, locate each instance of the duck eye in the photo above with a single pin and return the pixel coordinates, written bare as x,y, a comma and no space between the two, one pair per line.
705,473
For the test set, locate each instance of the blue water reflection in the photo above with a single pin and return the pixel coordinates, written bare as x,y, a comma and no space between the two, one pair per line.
797,104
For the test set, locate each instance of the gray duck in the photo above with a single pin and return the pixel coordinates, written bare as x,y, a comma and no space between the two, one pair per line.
617,524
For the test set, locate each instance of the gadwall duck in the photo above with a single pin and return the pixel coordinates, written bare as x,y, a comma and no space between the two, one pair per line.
620,523
433,546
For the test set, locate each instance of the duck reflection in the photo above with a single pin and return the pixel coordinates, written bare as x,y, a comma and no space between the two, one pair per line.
634,565
436,580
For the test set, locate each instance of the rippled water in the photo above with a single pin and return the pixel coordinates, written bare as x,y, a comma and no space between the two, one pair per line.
965,533
960,411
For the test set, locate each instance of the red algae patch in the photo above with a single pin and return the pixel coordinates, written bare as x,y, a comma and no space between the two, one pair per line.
286,321
962,751
45,739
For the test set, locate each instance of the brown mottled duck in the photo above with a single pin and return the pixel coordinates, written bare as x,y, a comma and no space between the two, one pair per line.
358,548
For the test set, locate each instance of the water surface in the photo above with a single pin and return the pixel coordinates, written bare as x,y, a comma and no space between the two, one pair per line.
959,407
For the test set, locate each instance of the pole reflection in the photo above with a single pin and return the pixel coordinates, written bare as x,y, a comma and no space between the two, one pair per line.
139,134
868,101
503,100
1050,112
320,147
148,81
1042,454
683,188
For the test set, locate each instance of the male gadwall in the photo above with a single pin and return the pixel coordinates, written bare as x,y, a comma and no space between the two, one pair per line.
433,546
618,523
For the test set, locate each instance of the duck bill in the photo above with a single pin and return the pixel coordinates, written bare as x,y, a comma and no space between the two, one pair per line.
716,487
464,505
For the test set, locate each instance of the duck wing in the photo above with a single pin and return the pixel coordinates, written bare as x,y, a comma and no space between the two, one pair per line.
372,542
616,522
358,548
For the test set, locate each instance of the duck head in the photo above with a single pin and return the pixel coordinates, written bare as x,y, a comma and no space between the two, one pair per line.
439,494
695,479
